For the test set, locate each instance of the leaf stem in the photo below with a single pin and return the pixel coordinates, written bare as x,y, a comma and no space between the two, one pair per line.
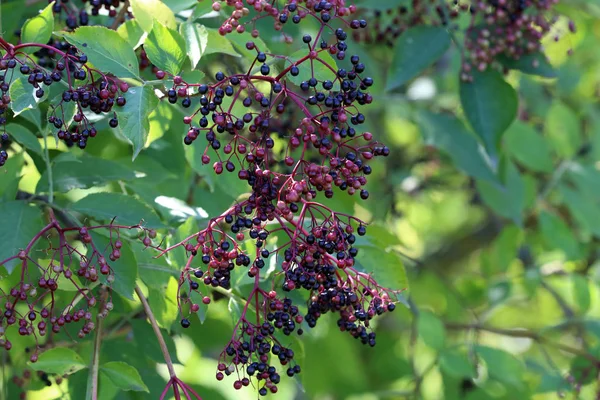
48,169
161,340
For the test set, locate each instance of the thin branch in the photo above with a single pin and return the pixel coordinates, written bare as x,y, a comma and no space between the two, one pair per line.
92,386
524,333
161,340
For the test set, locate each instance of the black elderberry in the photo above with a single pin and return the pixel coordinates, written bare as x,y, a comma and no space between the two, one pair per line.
185,323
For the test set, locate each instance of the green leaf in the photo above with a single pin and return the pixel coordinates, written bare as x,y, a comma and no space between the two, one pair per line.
528,147
124,376
196,38
534,64
20,223
584,208
24,137
146,11
124,209
456,364
165,48
163,303
84,173
125,268
134,122
22,95
563,129
502,366
490,105
386,266
309,68
431,330
39,28
106,50
558,235
507,199
132,33
59,361
451,136
416,49
581,292
153,271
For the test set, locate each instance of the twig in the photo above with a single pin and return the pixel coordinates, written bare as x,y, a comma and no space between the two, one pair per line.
524,333
92,386
159,337
120,16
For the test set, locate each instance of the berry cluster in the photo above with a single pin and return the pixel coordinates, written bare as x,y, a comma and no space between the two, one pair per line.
56,65
73,257
317,116
80,17
498,29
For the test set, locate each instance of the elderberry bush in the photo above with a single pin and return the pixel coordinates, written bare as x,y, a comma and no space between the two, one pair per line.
224,198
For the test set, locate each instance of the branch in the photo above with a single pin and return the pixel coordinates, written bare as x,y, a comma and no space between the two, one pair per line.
92,386
161,340
524,333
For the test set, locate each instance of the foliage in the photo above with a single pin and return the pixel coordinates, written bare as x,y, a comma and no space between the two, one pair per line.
188,187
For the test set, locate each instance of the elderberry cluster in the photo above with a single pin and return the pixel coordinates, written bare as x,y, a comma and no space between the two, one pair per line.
80,16
497,29
30,304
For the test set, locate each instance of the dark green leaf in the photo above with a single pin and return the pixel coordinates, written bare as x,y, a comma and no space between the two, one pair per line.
386,266
451,136
416,49
106,50
490,104
134,123
317,68
534,64
507,199
558,235
123,209
24,137
123,376
20,223
84,173
528,147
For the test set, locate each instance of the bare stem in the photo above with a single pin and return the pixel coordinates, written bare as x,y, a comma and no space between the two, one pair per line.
161,340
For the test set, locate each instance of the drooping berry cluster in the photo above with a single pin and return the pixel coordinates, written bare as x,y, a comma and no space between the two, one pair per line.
79,16
73,257
312,105
497,29
98,95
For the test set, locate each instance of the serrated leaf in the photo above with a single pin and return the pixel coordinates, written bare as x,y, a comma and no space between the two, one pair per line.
124,209
84,173
124,376
59,360
134,122
106,50
450,135
490,105
165,48
38,29
24,137
22,95
146,11
20,223
431,330
416,50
